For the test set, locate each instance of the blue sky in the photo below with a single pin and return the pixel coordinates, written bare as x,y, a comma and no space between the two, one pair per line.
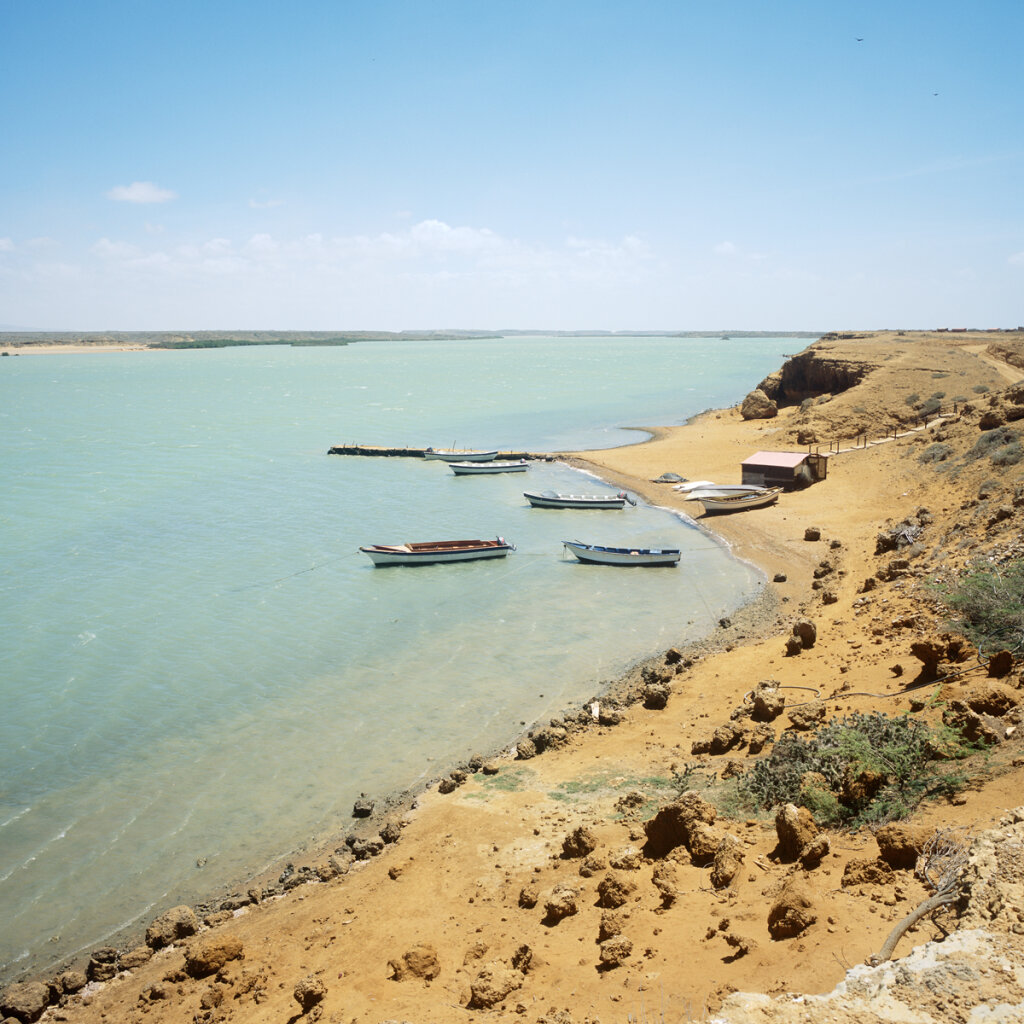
388,164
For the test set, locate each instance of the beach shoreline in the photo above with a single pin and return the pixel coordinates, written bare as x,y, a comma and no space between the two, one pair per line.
757,615
467,869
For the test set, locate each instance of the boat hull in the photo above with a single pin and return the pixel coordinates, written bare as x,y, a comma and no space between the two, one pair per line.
436,552
738,502
722,491
551,500
478,468
450,455
595,554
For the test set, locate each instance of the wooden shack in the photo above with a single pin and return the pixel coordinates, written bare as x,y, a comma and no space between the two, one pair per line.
784,469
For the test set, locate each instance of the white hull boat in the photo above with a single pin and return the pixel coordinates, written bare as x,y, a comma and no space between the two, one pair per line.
437,551
471,468
723,491
693,485
737,502
713,490
452,455
551,499
596,554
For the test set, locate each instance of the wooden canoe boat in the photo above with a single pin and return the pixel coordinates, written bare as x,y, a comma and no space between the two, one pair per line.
738,502
596,554
714,490
453,455
551,499
473,468
435,551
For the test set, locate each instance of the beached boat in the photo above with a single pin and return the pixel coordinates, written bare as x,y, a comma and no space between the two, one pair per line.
693,485
434,551
693,491
737,502
453,455
599,555
552,499
470,468
723,491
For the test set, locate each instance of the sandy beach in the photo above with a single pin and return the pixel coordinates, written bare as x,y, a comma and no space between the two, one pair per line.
469,880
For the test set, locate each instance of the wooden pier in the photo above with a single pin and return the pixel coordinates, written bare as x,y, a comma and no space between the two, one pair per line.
376,451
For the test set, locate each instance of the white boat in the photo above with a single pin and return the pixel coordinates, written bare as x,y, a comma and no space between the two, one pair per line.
453,455
599,555
736,502
723,491
468,468
434,551
706,486
551,499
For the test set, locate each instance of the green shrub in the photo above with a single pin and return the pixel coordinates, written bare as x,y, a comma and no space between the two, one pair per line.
980,389
930,407
939,394
937,452
987,602
899,754
913,399
1009,455
990,441
823,804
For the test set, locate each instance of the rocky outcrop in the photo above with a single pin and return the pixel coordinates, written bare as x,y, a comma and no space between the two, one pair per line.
614,891
308,992
177,924
811,373
758,406
25,1001
685,822
419,962
578,843
728,861
207,956
795,828
767,702
561,903
615,951
900,843
792,912
498,979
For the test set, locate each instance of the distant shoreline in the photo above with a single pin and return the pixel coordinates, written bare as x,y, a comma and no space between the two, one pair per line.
77,342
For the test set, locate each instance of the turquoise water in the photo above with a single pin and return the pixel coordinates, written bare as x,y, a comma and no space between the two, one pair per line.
197,665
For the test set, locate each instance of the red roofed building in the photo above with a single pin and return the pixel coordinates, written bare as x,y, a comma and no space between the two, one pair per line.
784,469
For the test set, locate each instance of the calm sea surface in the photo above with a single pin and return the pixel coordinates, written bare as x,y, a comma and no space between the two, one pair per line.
196,664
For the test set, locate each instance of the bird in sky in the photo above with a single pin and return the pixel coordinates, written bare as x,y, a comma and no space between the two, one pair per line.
860,39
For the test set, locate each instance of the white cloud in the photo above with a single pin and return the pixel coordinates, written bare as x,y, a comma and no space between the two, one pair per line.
6,245
428,249
107,249
141,192
43,242
1017,259
725,249
265,204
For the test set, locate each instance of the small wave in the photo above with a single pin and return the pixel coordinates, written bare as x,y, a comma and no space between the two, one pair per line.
15,817
85,638
31,859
